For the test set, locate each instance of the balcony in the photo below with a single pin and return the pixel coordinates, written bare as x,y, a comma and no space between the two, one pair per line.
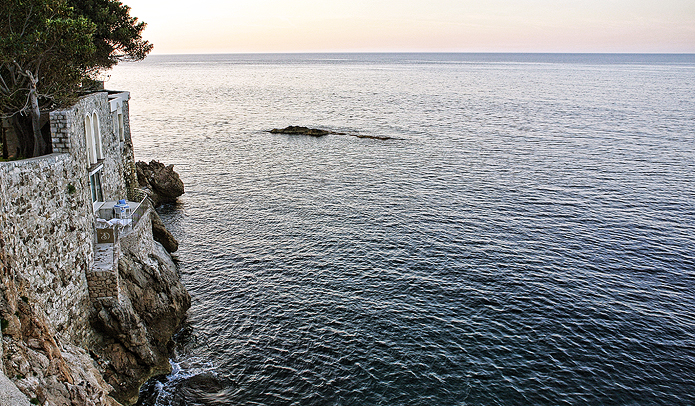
121,216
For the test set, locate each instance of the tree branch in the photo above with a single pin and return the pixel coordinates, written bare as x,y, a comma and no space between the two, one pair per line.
26,21
3,85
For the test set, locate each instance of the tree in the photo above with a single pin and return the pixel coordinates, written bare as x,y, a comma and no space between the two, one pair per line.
50,48
44,53
118,36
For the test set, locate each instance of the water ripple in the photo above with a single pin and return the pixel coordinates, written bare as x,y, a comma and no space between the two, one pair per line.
528,240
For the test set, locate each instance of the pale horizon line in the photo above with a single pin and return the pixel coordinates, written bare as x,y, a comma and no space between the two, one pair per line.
422,52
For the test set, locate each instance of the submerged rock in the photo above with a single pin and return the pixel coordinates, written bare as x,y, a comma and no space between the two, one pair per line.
160,181
372,137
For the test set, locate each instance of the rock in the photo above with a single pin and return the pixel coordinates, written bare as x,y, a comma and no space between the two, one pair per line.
162,235
137,326
46,369
10,395
296,130
160,181
372,137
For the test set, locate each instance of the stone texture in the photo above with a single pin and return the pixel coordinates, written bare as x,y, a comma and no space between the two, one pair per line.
48,233
10,395
42,364
160,181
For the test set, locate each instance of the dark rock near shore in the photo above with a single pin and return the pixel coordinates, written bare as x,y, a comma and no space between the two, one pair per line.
162,235
160,181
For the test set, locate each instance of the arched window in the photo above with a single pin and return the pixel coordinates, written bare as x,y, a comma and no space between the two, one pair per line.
96,134
91,149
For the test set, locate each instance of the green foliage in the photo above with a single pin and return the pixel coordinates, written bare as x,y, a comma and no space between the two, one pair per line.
35,401
51,49
3,324
25,299
118,36
46,41
71,189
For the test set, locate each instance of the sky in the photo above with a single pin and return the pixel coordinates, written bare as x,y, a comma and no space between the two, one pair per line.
240,26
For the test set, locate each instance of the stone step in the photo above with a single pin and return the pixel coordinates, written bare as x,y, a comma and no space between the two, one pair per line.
103,257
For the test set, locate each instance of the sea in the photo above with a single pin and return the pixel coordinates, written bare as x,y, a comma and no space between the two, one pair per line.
526,235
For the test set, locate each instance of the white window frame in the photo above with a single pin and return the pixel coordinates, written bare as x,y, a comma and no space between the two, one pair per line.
91,149
95,186
96,133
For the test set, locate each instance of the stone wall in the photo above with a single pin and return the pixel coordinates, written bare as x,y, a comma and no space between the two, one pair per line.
139,242
103,284
46,212
46,221
59,342
60,131
129,172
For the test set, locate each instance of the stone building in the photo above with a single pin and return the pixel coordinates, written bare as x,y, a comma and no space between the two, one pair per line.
48,202
57,273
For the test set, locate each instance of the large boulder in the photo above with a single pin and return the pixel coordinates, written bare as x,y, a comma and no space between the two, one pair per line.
159,181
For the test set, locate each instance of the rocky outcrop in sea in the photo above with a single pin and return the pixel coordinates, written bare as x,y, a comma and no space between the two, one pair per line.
159,181
316,132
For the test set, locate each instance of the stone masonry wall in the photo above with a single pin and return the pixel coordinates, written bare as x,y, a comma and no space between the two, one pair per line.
46,221
138,242
129,174
46,214
60,131
103,284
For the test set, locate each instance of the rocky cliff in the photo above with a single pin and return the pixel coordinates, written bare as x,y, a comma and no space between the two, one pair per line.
84,321
47,369
135,329
128,337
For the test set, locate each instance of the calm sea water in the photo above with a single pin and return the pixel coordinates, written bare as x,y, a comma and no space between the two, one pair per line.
527,238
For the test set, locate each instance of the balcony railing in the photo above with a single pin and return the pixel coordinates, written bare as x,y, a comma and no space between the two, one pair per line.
122,216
